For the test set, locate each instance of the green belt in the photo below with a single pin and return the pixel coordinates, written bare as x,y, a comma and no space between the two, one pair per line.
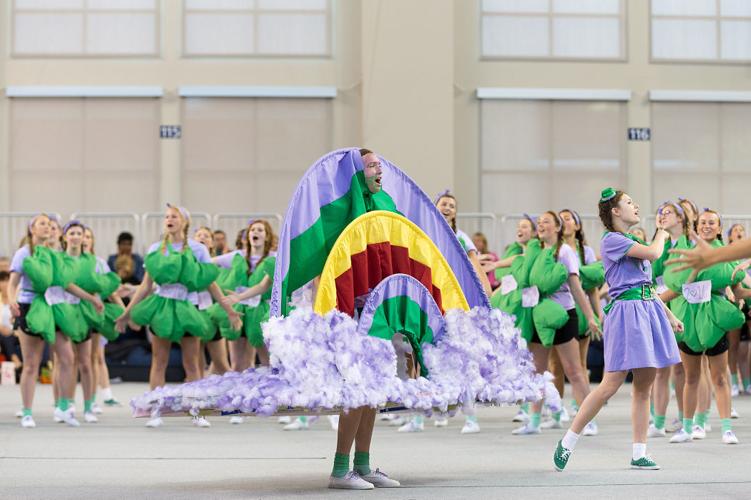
643,292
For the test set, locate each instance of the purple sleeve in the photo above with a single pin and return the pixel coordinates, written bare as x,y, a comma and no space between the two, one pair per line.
16,265
589,255
225,260
569,259
200,251
614,246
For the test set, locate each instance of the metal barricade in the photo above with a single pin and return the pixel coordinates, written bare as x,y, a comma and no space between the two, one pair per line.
106,227
13,229
233,223
482,222
152,223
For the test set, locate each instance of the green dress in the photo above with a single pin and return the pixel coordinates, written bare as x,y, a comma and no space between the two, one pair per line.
102,284
38,267
513,249
256,311
67,313
168,312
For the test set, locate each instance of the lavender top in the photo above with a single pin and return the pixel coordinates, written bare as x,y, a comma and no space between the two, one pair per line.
101,266
225,260
200,251
622,272
589,255
25,293
570,260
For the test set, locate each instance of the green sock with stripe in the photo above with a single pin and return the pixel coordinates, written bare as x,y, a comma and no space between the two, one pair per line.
660,421
341,465
652,409
362,463
726,425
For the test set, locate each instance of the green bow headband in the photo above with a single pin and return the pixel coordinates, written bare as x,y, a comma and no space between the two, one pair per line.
607,194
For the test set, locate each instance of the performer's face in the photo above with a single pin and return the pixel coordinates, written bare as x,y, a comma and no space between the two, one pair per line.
372,171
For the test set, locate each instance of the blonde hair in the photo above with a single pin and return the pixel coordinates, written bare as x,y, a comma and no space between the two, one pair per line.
212,250
29,238
186,229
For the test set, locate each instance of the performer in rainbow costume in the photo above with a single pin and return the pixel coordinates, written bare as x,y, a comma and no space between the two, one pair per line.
381,260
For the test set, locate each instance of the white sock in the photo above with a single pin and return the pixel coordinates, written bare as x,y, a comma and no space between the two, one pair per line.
106,393
569,440
640,451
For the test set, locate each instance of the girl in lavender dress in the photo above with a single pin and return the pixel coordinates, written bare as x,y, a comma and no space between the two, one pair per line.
638,330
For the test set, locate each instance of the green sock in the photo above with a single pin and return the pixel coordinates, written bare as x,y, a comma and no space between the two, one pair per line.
687,423
557,416
534,419
341,465
304,420
652,409
87,404
471,418
660,421
27,412
362,463
525,407
63,404
734,378
574,405
419,419
726,425
746,382
700,419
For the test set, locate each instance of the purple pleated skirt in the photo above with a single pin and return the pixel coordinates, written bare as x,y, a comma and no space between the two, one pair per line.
637,334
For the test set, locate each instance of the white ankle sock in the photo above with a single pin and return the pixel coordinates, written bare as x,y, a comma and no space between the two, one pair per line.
640,451
569,440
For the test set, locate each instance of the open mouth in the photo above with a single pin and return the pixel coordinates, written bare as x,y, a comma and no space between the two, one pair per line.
378,180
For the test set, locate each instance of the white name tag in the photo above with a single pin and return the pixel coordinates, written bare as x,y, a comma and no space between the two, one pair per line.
660,288
204,300
508,284
176,291
698,293
530,296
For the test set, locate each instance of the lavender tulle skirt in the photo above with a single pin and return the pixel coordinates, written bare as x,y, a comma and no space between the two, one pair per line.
637,334
324,364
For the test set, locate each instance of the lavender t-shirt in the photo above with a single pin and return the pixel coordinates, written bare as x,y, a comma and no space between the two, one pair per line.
622,272
589,255
570,261
25,293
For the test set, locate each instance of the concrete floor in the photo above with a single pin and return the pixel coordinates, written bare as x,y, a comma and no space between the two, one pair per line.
119,458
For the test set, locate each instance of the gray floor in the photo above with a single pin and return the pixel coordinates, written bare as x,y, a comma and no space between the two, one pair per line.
119,458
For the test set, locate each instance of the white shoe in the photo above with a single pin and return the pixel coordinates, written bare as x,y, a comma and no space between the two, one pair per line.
284,420
525,430
728,437
551,423
397,421
96,409
27,422
19,413
90,418
384,417
68,416
334,422
591,429
654,432
412,426
470,427
681,436
441,422
734,391
520,417
236,420
297,425
351,481
564,414
734,413
56,418
380,480
674,426
155,422
698,432
200,421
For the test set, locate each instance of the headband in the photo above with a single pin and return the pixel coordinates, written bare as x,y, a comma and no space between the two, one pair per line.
183,211
713,212
677,207
693,205
443,193
576,216
72,223
531,220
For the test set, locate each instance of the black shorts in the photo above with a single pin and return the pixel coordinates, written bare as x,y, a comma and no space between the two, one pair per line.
87,337
745,335
565,333
20,321
722,346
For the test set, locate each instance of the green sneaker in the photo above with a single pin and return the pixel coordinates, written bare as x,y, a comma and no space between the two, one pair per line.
560,457
644,463
112,402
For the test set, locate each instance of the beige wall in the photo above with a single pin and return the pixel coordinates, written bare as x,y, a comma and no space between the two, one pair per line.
406,74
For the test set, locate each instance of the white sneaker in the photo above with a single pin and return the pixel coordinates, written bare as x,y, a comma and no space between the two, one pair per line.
470,427
654,432
674,426
441,422
90,418
297,425
734,391
67,416
520,417
334,422
284,420
397,421
734,413
412,426
591,429
564,414
19,413
380,480
728,437
681,436
55,418
200,421
551,423
525,430
236,420
27,422
155,422
96,409
698,432
383,417
351,481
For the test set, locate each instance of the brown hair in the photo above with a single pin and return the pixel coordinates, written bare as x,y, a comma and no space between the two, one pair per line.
680,212
606,210
558,221
719,219
365,151
484,240
93,239
694,209
578,234
67,228
267,245
449,195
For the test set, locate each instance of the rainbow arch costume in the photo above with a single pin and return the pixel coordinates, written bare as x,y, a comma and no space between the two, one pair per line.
386,263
